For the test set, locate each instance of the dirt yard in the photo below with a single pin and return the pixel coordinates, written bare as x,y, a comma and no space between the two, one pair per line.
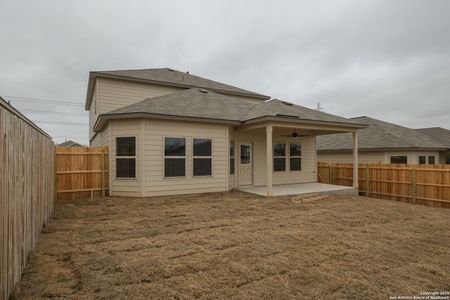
236,245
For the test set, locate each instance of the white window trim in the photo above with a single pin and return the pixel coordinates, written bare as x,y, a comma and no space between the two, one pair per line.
124,157
203,157
164,157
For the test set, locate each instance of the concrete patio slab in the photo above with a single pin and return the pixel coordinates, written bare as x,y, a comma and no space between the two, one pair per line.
300,188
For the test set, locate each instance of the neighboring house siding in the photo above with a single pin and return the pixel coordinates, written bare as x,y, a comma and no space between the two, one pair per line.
156,184
444,157
373,156
102,138
336,157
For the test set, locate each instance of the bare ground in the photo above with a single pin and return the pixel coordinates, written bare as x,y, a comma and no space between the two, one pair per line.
237,245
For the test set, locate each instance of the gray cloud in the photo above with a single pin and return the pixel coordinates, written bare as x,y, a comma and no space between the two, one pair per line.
386,59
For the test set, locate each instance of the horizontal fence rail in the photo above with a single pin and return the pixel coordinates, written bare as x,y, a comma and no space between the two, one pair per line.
421,184
81,172
26,191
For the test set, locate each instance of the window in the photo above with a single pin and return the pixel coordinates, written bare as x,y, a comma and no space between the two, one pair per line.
125,157
245,154
295,159
231,157
279,157
202,157
399,160
447,160
431,160
174,157
422,160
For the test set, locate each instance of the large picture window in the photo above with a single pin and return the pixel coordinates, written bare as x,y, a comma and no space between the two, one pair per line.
202,157
399,160
174,157
295,157
279,157
125,157
231,157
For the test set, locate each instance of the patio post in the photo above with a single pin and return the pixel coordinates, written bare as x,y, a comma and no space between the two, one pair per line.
355,159
269,155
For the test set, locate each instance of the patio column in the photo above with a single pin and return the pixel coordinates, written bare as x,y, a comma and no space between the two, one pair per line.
269,162
355,159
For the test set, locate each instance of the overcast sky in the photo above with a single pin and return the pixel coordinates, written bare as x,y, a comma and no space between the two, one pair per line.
385,59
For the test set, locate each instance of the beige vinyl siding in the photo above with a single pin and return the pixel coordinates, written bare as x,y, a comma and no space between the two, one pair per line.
443,157
124,186
113,94
92,114
155,183
258,139
102,138
375,156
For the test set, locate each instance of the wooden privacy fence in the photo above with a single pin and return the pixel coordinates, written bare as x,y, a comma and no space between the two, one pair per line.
81,172
421,184
27,192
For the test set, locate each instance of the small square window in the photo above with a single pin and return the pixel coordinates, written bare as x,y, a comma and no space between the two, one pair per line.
175,147
174,167
202,166
202,147
422,160
431,160
126,146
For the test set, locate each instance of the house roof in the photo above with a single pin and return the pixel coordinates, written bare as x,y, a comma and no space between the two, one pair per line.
70,143
379,135
171,77
204,104
440,134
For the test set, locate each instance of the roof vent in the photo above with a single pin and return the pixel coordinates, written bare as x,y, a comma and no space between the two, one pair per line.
203,91
287,103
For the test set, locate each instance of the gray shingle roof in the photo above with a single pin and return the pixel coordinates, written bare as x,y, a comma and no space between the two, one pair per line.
201,103
70,143
379,135
440,134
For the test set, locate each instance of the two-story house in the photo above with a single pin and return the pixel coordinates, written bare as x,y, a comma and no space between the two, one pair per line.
171,132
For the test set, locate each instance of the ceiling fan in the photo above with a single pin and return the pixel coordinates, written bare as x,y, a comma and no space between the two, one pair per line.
294,135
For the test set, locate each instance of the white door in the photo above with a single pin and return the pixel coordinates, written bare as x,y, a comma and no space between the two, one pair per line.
245,164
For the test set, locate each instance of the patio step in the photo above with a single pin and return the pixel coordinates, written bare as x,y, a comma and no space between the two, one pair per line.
308,198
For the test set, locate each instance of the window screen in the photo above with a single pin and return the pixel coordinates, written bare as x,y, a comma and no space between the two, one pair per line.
174,157
399,160
279,157
295,160
125,157
202,157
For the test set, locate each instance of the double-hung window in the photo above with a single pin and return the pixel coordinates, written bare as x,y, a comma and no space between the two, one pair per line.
202,157
174,157
295,157
279,157
126,157
431,160
422,160
231,157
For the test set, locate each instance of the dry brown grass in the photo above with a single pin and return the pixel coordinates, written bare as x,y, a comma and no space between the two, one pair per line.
236,245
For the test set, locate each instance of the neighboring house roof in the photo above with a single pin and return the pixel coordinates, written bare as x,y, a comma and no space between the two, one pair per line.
170,77
70,143
378,135
440,134
203,104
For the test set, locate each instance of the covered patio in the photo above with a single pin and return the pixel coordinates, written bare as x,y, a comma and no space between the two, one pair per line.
299,189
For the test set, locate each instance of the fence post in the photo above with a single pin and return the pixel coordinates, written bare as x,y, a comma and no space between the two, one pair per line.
102,157
413,185
55,180
329,174
367,181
